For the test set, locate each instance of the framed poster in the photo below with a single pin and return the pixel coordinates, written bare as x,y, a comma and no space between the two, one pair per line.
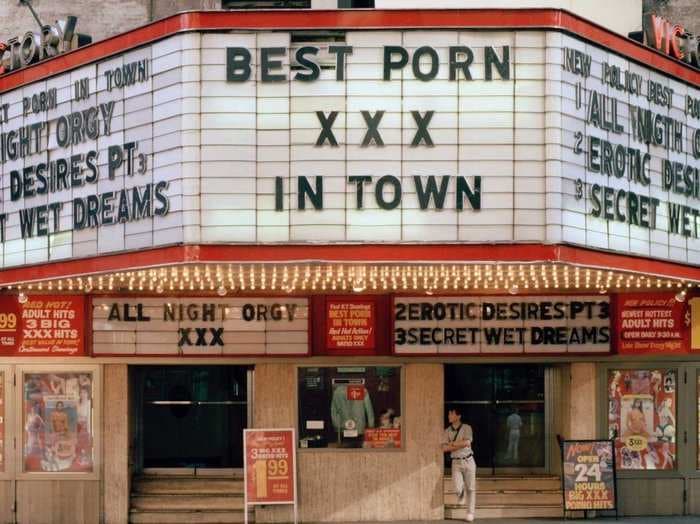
6,455
270,467
651,323
588,475
642,418
59,421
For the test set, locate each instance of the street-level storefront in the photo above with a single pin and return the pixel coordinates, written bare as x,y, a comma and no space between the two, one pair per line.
347,223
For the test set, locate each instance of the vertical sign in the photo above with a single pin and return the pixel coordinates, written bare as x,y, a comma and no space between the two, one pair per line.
270,467
588,475
350,324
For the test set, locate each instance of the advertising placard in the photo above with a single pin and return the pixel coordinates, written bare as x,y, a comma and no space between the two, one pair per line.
2,422
270,467
44,325
382,438
350,324
651,323
588,477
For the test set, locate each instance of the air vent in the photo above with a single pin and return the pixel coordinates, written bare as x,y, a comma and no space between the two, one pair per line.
266,4
320,39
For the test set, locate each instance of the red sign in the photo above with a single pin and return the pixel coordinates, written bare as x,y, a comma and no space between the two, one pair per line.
671,39
350,324
270,462
382,438
651,323
44,325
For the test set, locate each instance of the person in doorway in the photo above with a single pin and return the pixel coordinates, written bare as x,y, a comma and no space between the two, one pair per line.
457,442
513,425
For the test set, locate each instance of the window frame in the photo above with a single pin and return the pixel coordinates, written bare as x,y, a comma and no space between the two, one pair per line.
402,397
25,369
7,373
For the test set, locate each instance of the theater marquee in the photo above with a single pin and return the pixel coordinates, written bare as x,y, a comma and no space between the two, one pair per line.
386,136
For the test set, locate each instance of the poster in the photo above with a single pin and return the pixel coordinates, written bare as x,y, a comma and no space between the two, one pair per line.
57,420
642,418
350,324
2,422
270,462
44,325
588,475
651,323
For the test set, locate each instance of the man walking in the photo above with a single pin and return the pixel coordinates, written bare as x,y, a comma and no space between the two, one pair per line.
458,443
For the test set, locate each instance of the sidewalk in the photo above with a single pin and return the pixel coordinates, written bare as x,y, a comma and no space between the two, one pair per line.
622,520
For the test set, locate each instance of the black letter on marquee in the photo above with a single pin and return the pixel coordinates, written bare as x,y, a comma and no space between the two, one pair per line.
266,64
327,124
279,193
314,70
185,337
237,64
359,180
305,189
434,63
464,66
340,51
390,64
216,334
491,59
422,133
474,196
372,125
379,192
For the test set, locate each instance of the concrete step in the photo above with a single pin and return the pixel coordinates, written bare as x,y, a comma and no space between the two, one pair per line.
182,517
506,512
187,502
186,486
506,498
528,483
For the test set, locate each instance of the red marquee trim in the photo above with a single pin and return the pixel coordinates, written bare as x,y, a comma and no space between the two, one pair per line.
354,19
339,253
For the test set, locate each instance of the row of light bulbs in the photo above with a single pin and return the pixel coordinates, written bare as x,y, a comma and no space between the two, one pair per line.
223,279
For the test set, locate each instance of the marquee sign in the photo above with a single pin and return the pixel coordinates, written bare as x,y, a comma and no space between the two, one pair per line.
501,325
392,136
200,326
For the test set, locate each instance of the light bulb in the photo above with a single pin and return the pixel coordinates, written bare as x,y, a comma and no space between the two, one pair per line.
358,286
88,287
221,291
603,291
514,289
680,297
160,288
22,298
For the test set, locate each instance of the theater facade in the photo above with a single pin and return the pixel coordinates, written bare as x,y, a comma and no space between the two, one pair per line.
347,222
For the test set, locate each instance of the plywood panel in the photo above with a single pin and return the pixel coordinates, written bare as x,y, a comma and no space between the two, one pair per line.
116,444
6,501
58,501
650,496
582,415
343,485
694,496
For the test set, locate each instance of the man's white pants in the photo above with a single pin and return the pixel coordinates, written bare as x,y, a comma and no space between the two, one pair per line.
513,444
464,478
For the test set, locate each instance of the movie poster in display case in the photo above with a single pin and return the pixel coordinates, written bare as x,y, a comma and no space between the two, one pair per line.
58,422
642,418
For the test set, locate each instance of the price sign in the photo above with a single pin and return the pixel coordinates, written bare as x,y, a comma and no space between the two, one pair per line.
270,467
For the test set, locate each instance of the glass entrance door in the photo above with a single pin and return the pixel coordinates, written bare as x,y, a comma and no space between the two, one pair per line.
505,406
193,416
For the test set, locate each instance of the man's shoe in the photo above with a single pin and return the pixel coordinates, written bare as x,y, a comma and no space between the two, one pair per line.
470,517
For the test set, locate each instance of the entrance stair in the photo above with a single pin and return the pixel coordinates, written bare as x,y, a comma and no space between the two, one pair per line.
175,499
513,496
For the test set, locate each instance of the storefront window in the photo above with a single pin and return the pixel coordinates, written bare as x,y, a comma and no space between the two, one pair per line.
350,407
58,422
642,418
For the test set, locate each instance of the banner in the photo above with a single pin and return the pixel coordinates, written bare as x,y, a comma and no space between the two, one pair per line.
270,466
44,325
350,324
651,323
588,475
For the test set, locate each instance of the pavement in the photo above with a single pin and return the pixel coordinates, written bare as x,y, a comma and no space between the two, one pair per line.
622,520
